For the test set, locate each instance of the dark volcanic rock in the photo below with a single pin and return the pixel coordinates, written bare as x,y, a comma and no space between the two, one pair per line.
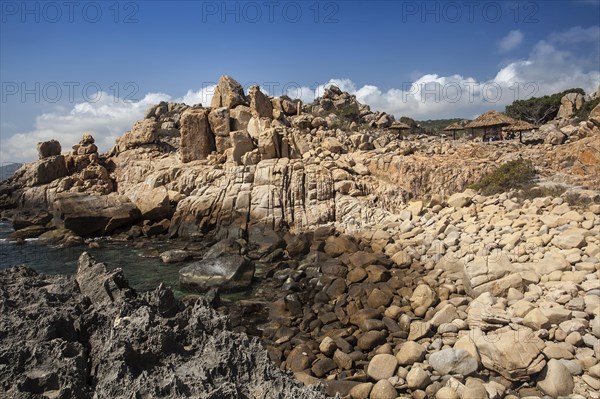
57,342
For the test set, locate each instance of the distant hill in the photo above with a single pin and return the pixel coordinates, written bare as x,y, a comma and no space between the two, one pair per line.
430,126
9,169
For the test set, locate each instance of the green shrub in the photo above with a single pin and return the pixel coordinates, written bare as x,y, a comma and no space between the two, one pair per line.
584,112
513,175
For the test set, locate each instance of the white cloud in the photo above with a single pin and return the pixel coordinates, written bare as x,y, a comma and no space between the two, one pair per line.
577,34
510,41
203,96
106,119
550,67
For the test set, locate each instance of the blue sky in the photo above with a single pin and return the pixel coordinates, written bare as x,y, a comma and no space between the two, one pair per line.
386,52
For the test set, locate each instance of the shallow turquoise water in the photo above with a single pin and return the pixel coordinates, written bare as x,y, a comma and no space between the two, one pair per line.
143,272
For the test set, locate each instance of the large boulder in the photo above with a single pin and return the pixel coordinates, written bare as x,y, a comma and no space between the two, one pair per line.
228,93
595,115
219,121
48,149
220,125
269,143
30,217
239,117
230,273
552,134
143,132
570,103
197,140
460,200
88,215
153,203
453,361
242,143
556,380
515,354
257,125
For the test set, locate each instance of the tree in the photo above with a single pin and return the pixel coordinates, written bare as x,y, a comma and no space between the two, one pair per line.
538,110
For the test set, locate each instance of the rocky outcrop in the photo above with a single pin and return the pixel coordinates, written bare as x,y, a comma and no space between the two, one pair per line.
143,132
281,164
64,337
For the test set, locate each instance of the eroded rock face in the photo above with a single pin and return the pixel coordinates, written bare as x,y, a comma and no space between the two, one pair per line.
86,328
273,193
143,132
44,171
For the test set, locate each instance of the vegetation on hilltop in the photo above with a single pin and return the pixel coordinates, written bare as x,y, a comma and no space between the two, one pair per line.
588,106
538,110
431,126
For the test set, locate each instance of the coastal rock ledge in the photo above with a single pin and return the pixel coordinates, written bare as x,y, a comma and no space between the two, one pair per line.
91,336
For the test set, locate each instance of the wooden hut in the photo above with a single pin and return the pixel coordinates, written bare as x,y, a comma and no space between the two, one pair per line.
491,120
453,128
519,126
399,127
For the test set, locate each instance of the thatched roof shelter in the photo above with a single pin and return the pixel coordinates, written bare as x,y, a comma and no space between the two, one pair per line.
399,126
453,127
493,120
520,126
490,119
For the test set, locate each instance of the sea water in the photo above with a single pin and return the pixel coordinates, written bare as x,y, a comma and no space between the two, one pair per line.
142,267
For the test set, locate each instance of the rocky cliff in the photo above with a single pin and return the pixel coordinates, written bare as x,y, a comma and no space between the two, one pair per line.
274,162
